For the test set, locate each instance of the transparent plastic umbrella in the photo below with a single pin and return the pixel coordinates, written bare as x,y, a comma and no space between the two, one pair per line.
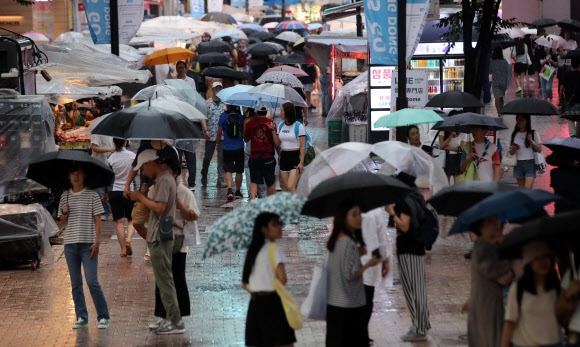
173,103
191,95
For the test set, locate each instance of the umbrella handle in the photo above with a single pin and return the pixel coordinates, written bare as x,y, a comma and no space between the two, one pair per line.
573,264
435,138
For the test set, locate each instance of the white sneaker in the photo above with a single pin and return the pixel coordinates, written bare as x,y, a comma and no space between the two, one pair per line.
156,324
278,188
103,323
80,323
104,218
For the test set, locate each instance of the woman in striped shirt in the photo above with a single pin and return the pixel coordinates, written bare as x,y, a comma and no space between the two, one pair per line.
81,209
345,315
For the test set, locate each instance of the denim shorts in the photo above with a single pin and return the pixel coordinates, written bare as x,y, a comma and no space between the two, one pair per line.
525,168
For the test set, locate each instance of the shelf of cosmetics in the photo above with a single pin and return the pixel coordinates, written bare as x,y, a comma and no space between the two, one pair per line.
448,85
452,68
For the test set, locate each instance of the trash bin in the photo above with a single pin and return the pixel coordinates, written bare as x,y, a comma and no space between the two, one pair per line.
334,132
357,132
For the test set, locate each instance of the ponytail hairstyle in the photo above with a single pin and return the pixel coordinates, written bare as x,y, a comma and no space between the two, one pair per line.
340,226
257,242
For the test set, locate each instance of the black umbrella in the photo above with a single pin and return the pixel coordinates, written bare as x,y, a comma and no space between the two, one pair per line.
215,46
262,49
454,99
568,145
559,232
530,106
52,169
150,123
503,42
368,190
452,200
290,59
463,122
213,58
249,31
544,22
262,35
572,114
224,72
569,24
253,40
572,54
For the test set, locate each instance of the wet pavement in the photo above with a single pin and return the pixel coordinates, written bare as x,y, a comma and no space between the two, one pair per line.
38,308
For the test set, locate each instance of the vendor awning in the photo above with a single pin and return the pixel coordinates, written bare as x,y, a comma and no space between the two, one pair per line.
61,92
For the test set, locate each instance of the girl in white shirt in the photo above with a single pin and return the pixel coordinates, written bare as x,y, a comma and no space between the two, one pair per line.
293,146
530,318
525,142
266,323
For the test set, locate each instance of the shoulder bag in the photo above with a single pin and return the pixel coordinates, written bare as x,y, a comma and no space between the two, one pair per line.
471,171
291,308
509,159
539,160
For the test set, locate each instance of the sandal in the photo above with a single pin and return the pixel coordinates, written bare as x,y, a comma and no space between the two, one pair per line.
129,248
146,257
123,255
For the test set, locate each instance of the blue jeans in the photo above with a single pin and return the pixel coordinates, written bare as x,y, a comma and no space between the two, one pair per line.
78,254
105,203
546,86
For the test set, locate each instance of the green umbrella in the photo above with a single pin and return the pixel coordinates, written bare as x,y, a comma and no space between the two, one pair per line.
407,116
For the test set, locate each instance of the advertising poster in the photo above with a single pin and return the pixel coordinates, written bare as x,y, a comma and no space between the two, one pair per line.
197,8
417,95
130,18
130,14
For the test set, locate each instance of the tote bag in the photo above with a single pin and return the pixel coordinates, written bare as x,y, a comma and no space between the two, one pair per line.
314,306
191,233
291,308
471,171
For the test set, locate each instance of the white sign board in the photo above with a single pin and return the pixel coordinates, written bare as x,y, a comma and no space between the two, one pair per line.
416,87
381,76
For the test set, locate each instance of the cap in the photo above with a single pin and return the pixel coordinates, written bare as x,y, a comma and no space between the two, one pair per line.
145,156
216,84
534,249
262,108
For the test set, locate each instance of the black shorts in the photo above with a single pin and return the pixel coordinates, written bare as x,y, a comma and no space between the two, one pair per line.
266,323
520,68
234,161
262,170
289,160
121,206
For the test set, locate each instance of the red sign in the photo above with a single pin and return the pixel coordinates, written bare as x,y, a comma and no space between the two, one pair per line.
81,7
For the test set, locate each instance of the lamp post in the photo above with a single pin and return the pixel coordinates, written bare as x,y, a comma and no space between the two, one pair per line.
402,101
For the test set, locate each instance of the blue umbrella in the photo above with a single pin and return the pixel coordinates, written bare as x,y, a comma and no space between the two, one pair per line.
507,206
226,93
252,26
233,231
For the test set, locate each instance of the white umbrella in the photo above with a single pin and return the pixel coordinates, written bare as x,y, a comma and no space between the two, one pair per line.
191,95
513,32
281,77
173,103
271,25
69,36
234,33
158,91
314,26
279,92
289,36
37,37
552,41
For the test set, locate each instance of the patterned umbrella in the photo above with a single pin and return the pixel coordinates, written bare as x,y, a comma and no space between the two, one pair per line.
292,25
233,231
295,71
281,77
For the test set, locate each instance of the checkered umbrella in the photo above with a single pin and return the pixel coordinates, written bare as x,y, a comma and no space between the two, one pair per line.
292,25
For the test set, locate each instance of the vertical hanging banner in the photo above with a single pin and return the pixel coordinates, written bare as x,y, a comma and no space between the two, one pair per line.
197,8
383,28
382,31
130,18
215,6
99,19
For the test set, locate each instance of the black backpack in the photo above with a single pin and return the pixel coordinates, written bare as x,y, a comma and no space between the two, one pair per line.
233,122
428,230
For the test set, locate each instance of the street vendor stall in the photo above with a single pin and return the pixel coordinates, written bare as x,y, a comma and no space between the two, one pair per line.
26,131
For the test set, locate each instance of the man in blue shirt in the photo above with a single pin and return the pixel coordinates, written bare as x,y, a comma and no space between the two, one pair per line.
231,124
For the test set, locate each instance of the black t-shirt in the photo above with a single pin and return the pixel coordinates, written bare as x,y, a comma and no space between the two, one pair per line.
406,242
571,82
565,182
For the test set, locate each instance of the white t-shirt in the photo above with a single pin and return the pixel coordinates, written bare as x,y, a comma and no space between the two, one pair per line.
374,231
191,82
101,141
456,141
486,163
574,324
262,274
537,324
121,164
288,136
525,153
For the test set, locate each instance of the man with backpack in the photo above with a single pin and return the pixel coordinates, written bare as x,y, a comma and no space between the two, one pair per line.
231,124
261,132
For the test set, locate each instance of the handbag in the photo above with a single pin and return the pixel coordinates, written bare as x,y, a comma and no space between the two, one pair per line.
191,233
509,159
314,306
166,226
471,171
291,308
540,162
547,72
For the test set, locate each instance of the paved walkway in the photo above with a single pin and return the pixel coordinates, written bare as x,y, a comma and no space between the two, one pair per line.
38,309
